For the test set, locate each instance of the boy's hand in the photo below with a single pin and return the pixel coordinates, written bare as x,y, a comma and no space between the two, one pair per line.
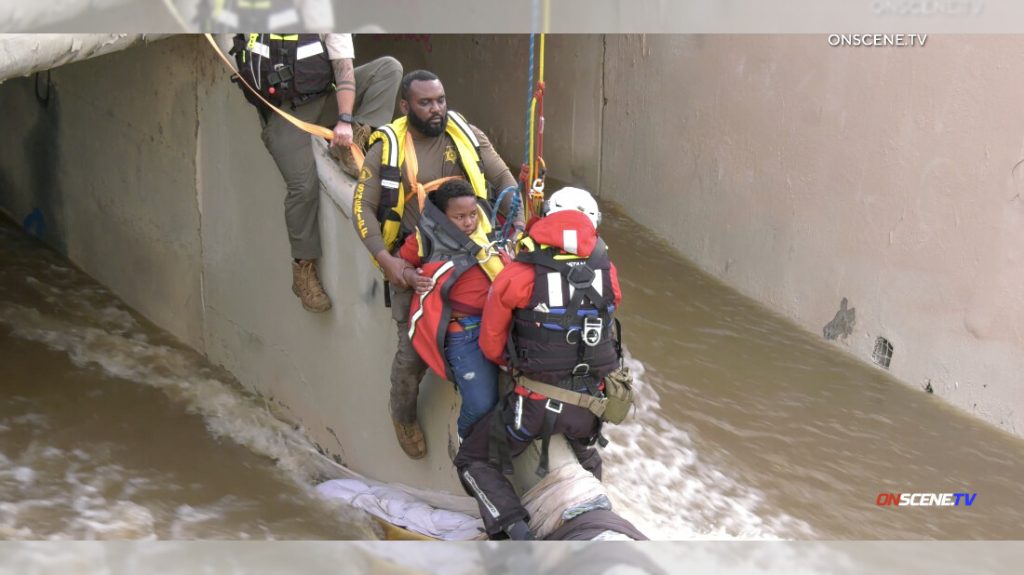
421,283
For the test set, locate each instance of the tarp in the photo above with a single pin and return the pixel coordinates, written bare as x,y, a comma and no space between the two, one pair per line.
402,509
24,54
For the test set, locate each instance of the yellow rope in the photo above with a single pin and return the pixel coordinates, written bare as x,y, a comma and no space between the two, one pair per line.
542,57
533,141
533,118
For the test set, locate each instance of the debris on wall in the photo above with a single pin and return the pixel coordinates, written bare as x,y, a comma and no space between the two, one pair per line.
842,324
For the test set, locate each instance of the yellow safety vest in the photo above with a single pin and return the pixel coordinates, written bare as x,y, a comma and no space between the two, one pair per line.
392,202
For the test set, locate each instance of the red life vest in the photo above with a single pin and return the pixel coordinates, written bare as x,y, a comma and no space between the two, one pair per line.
447,254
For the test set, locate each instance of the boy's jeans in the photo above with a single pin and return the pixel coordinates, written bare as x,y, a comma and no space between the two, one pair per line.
475,376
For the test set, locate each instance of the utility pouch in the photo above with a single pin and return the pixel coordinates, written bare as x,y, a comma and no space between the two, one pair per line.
618,390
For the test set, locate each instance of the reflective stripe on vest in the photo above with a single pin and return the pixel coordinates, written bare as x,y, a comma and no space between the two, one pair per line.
283,68
574,327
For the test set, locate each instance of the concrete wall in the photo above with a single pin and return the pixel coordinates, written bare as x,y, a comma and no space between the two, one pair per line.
148,170
328,372
485,77
109,162
802,174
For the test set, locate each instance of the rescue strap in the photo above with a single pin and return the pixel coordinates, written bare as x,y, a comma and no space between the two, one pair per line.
499,452
412,168
417,189
466,243
595,405
314,129
553,408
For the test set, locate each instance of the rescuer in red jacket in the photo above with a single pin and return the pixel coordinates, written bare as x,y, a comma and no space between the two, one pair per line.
548,318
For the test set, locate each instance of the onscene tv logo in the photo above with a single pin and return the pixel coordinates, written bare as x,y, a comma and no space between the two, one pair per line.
925,499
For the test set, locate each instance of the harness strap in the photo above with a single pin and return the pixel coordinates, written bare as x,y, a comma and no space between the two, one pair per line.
466,243
499,452
593,403
552,409
531,315
580,277
389,178
412,168
618,341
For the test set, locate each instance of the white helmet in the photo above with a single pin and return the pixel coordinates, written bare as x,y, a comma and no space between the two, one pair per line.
574,199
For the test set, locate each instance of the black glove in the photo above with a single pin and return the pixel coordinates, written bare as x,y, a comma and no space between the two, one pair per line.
519,531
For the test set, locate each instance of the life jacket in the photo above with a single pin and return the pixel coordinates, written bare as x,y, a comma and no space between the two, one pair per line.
288,68
393,193
231,15
566,332
447,253
564,337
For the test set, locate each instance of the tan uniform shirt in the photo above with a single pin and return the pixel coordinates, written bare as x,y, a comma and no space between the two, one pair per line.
437,158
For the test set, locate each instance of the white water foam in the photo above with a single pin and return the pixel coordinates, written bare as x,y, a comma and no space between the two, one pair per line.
131,356
658,481
47,485
98,334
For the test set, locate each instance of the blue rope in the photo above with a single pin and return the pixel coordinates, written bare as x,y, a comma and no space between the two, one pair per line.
513,209
522,188
529,99
506,229
497,204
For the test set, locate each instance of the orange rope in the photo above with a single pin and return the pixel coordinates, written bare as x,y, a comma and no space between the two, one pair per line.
534,171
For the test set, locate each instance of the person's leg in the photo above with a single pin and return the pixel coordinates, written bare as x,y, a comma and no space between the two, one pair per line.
588,456
581,428
500,507
407,369
377,85
475,377
376,89
293,154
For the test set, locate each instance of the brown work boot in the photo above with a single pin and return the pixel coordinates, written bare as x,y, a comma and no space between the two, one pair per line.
360,135
306,285
410,437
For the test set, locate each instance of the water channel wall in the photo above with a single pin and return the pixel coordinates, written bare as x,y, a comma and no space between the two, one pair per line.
797,173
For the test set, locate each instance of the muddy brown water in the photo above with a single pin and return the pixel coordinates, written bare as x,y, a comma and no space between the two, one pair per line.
748,426
109,429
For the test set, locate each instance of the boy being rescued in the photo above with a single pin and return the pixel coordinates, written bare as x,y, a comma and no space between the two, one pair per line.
453,266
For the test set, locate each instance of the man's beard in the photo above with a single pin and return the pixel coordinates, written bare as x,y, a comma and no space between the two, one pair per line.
425,127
